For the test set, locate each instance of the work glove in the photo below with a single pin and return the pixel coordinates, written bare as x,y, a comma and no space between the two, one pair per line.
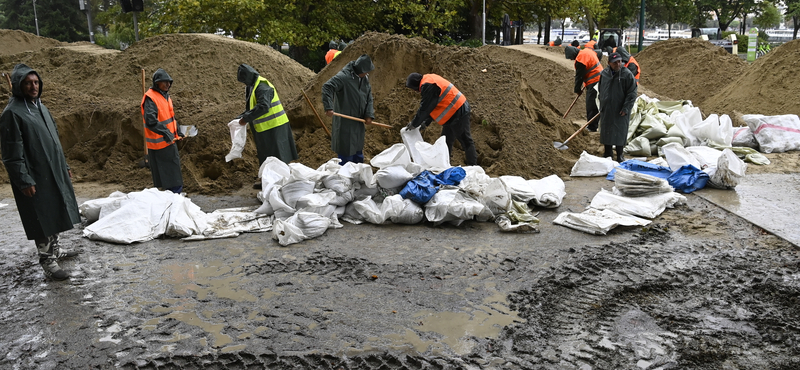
181,134
410,126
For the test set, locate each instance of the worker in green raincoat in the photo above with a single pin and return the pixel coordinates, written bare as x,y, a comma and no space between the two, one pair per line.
267,118
617,92
39,174
350,93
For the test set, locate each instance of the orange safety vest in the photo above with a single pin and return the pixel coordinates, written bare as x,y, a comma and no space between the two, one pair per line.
638,68
450,99
166,116
588,58
551,43
590,44
330,55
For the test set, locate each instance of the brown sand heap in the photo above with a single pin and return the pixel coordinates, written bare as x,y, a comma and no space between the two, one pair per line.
688,69
515,99
769,86
95,98
14,41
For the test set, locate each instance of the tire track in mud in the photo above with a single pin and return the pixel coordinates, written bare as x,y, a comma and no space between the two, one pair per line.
656,303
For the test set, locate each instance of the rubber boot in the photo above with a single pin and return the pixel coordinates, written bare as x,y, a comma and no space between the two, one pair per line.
607,153
620,158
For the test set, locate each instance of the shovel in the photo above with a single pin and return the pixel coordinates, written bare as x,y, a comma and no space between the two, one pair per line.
361,120
144,162
574,101
563,146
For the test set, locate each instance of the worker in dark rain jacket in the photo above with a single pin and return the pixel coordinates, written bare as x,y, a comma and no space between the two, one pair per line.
37,169
350,93
617,96
161,132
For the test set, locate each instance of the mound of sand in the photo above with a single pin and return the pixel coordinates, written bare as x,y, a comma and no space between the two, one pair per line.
688,69
768,87
15,41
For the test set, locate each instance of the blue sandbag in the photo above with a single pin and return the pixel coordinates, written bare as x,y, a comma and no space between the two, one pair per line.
646,168
451,176
421,188
688,179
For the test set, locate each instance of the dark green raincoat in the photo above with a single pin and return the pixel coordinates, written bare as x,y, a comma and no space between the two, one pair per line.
617,93
33,156
276,142
348,94
165,164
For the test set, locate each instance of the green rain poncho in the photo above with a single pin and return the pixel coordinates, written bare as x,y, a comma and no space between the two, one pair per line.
32,155
348,94
617,93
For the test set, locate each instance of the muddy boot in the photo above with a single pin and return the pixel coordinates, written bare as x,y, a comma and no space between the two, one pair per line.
47,248
51,268
620,158
607,153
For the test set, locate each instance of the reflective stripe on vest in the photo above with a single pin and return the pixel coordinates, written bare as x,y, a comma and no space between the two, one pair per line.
275,116
588,58
638,68
450,99
166,116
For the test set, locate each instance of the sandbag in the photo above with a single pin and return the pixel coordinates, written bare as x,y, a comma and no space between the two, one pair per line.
743,136
648,207
597,222
396,154
775,133
238,140
591,165
434,157
641,167
729,172
549,191
421,188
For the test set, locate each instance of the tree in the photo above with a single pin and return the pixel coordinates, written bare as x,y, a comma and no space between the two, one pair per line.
793,12
768,16
725,10
59,20
669,12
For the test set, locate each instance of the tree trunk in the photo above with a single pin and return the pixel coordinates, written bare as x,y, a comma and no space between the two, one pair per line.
539,35
476,19
796,22
547,25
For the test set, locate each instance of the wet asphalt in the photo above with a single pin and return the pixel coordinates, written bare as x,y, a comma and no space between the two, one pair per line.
416,296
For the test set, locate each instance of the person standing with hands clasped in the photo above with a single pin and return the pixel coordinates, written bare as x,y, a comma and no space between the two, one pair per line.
443,103
617,95
40,177
161,132
350,93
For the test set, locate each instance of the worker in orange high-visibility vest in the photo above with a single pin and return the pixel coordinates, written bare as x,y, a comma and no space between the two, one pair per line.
161,131
630,63
443,103
587,73
332,52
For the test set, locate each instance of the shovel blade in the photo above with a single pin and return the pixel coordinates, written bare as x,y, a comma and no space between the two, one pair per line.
560,146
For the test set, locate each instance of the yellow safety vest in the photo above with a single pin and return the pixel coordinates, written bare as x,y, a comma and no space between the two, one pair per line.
275,117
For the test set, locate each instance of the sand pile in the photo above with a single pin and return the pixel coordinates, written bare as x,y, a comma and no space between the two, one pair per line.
688,69
767,87
15,41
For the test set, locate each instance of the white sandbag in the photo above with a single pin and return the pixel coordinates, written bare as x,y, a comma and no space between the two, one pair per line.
90,209
278,204
286,233
396,154
331,166
451,204
185,218
706,156
669,140
677,156
142,216
653,127
402,211
293,191
436,157
392,177
636,184
658,161
311,224
495,197
729,172
410,140
369,211
591,165
342,199
475,181
743,136
716,130
685,119
314,200
301,172
230,222
550,191
676,132
639,146
519,188
506,225
775,133
648,207
358,173
338,183
238,140
272,172
597,222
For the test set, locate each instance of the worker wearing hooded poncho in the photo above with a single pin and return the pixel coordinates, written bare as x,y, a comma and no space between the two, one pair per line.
617,94
39,174
350,93
264,112
161,132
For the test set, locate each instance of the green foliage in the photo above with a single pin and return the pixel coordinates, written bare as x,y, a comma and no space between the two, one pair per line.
668,12
57,19
768,17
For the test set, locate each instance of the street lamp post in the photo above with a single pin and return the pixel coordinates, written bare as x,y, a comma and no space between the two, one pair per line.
35,18
483,24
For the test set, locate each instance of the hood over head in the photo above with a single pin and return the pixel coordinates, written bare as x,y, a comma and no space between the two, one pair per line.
571,52
413,81
332,45
626,56
160,75
247,75
363,65
342,45
20,72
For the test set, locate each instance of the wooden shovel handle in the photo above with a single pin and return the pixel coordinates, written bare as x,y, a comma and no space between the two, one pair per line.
361,120
582,127
316,114
10,88
144,136
574,101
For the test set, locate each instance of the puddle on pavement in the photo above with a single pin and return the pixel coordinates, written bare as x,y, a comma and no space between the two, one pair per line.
456,330
765,200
